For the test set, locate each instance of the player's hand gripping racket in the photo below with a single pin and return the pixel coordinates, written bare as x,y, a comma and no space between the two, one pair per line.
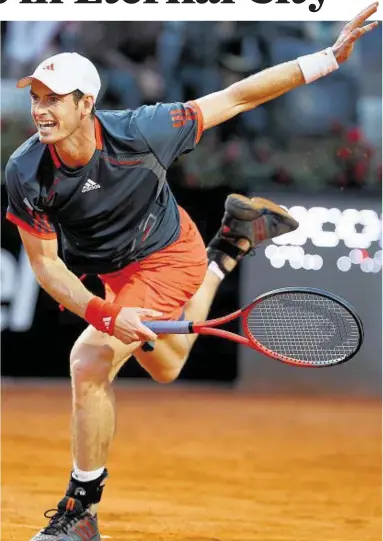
299,326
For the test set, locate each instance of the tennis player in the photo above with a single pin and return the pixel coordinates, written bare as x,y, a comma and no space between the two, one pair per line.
96,182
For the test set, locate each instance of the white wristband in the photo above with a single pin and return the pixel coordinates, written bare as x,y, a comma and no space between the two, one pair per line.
317,65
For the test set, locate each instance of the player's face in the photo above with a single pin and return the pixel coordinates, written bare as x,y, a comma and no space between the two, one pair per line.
56,117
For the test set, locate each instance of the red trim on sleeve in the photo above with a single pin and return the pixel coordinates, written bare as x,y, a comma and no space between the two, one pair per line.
24,225
200,123
42,223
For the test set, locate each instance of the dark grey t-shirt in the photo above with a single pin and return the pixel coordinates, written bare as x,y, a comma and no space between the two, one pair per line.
119,207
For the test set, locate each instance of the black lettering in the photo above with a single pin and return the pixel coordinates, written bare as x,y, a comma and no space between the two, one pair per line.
150,2
88,1
177,2
298,1
286,1
2,1
312,6
262,1
131,1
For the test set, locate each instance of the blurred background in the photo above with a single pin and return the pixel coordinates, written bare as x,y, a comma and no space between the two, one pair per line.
317,150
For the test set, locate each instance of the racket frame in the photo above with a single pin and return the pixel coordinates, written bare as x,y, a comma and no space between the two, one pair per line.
312,291
209,328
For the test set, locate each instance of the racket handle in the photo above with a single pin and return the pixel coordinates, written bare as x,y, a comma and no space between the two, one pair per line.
169,327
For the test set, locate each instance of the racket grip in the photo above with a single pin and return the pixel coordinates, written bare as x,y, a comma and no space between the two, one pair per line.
169,327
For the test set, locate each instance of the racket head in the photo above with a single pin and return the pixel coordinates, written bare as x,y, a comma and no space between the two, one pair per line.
303,326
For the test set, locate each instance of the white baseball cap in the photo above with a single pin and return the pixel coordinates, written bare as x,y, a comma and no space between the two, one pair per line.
66,72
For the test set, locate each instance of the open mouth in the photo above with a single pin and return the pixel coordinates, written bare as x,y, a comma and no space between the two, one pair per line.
46,126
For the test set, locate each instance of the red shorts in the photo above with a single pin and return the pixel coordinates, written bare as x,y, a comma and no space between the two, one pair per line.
164,280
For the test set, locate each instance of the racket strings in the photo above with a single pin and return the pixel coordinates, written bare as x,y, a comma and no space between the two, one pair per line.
304,327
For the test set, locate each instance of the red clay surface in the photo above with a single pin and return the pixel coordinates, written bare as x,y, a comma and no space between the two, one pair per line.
191,465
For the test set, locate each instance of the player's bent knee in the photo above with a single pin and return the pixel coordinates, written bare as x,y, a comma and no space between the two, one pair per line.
166,373
90,364
166,376
164,364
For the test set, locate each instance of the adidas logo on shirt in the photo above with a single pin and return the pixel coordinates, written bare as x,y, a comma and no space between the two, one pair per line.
90,185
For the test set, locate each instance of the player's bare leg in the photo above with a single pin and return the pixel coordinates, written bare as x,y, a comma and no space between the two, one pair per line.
247,222
95,360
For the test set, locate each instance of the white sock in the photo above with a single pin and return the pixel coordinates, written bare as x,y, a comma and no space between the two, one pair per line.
86,476
213,266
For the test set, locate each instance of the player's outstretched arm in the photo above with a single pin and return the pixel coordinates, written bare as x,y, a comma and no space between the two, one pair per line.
53,275
62,285
280,79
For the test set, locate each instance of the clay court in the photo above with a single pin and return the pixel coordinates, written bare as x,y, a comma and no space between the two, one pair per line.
203,465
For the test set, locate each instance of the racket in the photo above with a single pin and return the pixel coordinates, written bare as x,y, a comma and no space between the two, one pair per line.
298,326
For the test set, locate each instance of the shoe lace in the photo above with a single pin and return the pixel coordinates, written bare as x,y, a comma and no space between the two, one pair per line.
60,521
